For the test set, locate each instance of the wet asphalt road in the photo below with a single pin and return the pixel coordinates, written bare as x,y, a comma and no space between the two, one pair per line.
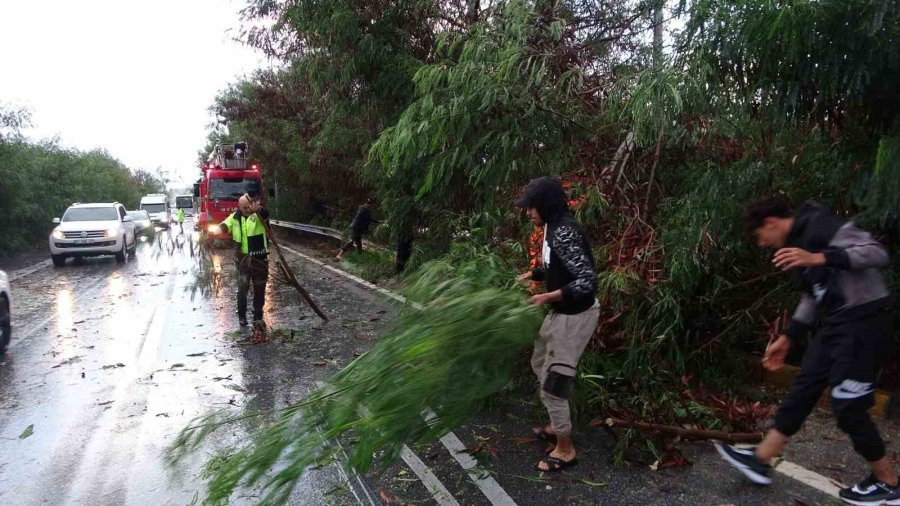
110,361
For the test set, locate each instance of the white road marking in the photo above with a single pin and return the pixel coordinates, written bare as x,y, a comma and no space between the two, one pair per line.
326,231
21,273
437,489
351,277
484,481
805,476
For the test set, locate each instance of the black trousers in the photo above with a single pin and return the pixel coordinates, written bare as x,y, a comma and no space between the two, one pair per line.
848,358
404,251
252,271
355,240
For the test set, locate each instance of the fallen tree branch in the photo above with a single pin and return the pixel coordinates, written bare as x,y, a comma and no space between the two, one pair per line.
289,274
680,432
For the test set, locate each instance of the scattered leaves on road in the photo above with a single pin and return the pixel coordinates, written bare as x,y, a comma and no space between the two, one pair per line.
69,361
27,432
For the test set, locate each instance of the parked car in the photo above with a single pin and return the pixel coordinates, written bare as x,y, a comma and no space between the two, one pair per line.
92,230
142,223
5,314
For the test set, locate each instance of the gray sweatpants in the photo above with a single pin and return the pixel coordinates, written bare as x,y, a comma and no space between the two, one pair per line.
560,343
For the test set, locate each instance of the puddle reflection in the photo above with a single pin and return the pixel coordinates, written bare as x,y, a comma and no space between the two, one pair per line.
65,310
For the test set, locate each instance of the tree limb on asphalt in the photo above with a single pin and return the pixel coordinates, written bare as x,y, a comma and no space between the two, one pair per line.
682,433
289,274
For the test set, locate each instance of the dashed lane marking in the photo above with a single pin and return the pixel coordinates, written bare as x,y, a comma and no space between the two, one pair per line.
438,491
484,481
805,476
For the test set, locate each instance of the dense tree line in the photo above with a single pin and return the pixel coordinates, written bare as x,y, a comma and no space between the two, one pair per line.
443,109
41,179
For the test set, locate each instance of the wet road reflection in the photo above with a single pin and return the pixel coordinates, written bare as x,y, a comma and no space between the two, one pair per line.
119,358
65,316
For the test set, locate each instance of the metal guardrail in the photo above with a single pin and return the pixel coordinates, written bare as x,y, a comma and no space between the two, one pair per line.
326,231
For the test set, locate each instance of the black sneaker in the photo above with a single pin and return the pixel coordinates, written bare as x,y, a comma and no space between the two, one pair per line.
242,320
871,491
745,461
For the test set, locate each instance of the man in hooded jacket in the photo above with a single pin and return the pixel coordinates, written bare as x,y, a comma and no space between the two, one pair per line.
838,268
568,273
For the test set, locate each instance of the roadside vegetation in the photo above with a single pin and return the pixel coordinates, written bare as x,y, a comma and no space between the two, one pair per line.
444,110
40,179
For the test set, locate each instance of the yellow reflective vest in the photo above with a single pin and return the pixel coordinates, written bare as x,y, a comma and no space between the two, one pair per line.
248,231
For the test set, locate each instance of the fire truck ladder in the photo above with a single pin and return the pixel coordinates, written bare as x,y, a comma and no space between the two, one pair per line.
230,156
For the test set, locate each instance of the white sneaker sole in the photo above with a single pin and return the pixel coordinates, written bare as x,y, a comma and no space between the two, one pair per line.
743,468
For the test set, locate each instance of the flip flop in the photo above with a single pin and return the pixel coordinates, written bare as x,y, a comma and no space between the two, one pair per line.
555,465
543,435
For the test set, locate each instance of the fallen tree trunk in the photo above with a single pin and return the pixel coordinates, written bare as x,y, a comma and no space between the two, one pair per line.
681,432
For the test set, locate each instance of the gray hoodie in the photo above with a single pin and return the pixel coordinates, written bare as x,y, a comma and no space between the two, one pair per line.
851,284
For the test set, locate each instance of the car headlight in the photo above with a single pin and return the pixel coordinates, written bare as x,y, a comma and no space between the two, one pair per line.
112,231
145,223
58,234
212,229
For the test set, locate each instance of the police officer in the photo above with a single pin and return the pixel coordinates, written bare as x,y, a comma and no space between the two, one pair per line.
180,215
249,234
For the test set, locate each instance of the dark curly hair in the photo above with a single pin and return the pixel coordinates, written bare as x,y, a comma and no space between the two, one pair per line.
758,210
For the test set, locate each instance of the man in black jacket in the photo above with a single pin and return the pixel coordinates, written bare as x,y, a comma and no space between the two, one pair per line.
568,272
358,227
838,269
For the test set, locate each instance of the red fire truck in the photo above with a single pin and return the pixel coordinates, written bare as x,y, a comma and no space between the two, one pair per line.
227,174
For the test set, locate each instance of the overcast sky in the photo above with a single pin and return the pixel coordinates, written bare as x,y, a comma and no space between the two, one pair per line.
134,78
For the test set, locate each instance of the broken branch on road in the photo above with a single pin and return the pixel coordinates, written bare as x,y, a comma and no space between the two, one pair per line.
681,432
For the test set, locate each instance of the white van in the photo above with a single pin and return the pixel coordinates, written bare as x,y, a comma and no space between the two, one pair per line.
185,202
156,206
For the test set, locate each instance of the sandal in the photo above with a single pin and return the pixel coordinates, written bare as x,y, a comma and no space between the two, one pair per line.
543,435
554,464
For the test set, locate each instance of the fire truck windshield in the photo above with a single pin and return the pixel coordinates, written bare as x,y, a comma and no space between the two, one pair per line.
231,188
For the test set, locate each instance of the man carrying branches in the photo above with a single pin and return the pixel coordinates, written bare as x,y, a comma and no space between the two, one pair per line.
568,271
252,249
